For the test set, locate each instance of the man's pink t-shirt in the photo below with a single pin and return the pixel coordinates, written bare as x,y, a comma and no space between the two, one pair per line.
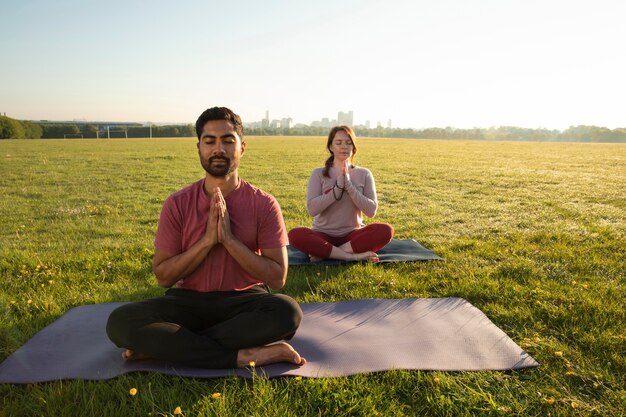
255,219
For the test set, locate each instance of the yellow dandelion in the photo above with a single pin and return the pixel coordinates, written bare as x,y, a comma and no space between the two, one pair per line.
585,286
51,282
573,282
298,378
252,364
216,395
596,385
29,302
574,404
437,380
42,285
178,411
38,267
549,401
558,353
133,391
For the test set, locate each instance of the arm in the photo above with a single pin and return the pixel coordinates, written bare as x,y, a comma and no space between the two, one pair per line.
270,266
366,201
169,267
316,200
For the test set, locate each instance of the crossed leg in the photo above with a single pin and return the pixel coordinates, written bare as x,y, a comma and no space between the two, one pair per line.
211,330
358,245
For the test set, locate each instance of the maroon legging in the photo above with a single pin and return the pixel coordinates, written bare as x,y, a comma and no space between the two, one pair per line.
369,238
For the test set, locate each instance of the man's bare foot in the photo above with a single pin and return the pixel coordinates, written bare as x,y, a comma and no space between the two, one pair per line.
265,355
131,355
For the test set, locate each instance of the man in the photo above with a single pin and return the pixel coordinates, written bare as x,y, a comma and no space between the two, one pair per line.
220,244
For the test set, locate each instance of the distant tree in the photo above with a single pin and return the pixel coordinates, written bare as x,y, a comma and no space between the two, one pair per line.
620,135
165,131
89,131
579,133
11,128
31,130
188,131
59,131
139,132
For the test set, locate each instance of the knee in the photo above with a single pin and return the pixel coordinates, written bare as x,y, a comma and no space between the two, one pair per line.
387,230
297,235
288,314
118,328
383,231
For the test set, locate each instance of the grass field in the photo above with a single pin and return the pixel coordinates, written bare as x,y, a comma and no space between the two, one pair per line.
534,235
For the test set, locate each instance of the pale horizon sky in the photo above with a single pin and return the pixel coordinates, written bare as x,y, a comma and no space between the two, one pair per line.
536,64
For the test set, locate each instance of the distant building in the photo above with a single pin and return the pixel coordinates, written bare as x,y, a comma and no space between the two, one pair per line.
345,118
266,121
286,123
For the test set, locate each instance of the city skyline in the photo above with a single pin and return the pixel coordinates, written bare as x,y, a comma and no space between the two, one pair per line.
288,122
343,118
451,63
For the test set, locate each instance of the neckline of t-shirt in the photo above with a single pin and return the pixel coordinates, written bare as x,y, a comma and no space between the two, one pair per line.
207,198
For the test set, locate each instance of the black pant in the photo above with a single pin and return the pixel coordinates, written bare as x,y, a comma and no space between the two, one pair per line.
204,329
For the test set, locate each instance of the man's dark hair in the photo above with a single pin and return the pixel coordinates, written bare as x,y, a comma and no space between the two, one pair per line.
219,113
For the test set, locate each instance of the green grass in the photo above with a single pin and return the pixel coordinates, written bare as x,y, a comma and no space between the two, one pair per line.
534,234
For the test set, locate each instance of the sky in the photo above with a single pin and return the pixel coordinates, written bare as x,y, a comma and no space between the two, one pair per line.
419,63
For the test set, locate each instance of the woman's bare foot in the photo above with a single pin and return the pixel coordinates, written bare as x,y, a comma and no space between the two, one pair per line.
347,247
265,355
131,355
338,253
315,258
366,256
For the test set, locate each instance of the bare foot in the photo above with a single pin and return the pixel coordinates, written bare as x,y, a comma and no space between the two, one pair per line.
347,247
315,258
131,355
265,355
366,256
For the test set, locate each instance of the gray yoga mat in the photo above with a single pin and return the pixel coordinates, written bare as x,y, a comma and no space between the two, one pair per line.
337,339
398,250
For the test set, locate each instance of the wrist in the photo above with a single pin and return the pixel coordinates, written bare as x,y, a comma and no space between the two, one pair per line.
208,242
228,241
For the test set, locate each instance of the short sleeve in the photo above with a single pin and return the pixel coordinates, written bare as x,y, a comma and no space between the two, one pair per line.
272,231
169,231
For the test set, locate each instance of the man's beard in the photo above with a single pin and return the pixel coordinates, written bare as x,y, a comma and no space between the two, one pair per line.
217,171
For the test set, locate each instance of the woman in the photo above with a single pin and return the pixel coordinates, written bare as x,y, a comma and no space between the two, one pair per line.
337,196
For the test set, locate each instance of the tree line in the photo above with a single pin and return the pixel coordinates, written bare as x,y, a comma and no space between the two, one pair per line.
21,129
580,133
